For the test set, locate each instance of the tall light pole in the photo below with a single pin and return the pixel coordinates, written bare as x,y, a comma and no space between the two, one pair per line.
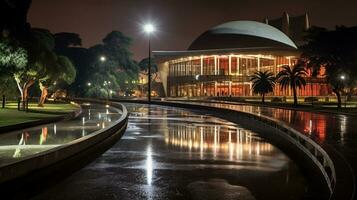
149,29
343,78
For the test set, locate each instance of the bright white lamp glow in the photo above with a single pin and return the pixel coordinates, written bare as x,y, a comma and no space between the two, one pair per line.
102,58
342,77
149,28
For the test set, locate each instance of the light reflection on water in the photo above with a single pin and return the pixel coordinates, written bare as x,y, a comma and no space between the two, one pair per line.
320,127
170,146
19,144
228,142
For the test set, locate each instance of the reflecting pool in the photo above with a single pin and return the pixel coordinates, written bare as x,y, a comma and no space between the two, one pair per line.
17,145
171,153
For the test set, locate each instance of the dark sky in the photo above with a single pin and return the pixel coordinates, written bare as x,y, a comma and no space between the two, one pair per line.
179,21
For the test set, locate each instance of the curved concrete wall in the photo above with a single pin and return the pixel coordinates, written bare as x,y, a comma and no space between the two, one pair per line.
16,177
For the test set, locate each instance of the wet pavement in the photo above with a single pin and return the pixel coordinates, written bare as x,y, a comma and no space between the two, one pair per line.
171,153
21,144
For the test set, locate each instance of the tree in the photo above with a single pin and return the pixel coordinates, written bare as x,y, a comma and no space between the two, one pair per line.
144,63
263,83
336,52
65,40
38,45
12,59
292,77
59,68
118,66
13,18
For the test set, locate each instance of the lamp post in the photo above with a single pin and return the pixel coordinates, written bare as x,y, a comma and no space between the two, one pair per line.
149,28
343,78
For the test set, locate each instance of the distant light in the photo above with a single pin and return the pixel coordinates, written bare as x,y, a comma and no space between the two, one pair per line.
342,77
107,106
149,28
102,58
89,84
111,92
197,77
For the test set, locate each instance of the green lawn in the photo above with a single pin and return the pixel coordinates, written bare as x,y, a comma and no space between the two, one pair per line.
53,108
10,115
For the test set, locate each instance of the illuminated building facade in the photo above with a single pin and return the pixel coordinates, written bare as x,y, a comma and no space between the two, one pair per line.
221,61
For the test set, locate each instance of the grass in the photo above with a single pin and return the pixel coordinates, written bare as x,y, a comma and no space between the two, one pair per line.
53,108
11,116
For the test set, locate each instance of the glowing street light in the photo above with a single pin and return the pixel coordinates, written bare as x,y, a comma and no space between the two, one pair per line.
102,58
149,28
89,83
343,77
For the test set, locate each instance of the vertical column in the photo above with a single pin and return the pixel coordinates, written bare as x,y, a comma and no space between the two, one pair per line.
201,65
215,88
258,61
201,90
289,61
238,70
215,65
250,89
230,65
230,88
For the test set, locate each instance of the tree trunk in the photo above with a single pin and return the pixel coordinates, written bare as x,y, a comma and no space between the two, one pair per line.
44,93
295,96
25,91
349,94
338,95
263,98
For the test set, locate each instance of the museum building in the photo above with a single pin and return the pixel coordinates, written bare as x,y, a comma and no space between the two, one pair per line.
221,61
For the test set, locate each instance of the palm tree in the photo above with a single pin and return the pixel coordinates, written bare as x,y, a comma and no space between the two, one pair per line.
263,83
292,77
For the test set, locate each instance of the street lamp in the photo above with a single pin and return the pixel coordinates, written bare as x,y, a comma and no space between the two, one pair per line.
102,58
343,78
89,84
149,29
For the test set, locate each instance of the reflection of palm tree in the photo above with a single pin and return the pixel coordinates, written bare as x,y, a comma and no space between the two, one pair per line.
263,83
292,77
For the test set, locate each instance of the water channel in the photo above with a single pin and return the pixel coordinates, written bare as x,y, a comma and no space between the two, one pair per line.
171,153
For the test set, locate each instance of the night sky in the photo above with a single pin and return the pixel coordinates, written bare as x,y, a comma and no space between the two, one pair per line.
179,21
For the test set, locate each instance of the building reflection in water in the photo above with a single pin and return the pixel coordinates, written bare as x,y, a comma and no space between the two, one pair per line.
217,141
313,124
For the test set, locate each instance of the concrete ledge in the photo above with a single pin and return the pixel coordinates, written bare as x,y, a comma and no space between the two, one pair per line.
320,163
63,116
22,179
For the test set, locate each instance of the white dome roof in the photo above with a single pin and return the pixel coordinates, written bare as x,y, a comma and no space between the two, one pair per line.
239,29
